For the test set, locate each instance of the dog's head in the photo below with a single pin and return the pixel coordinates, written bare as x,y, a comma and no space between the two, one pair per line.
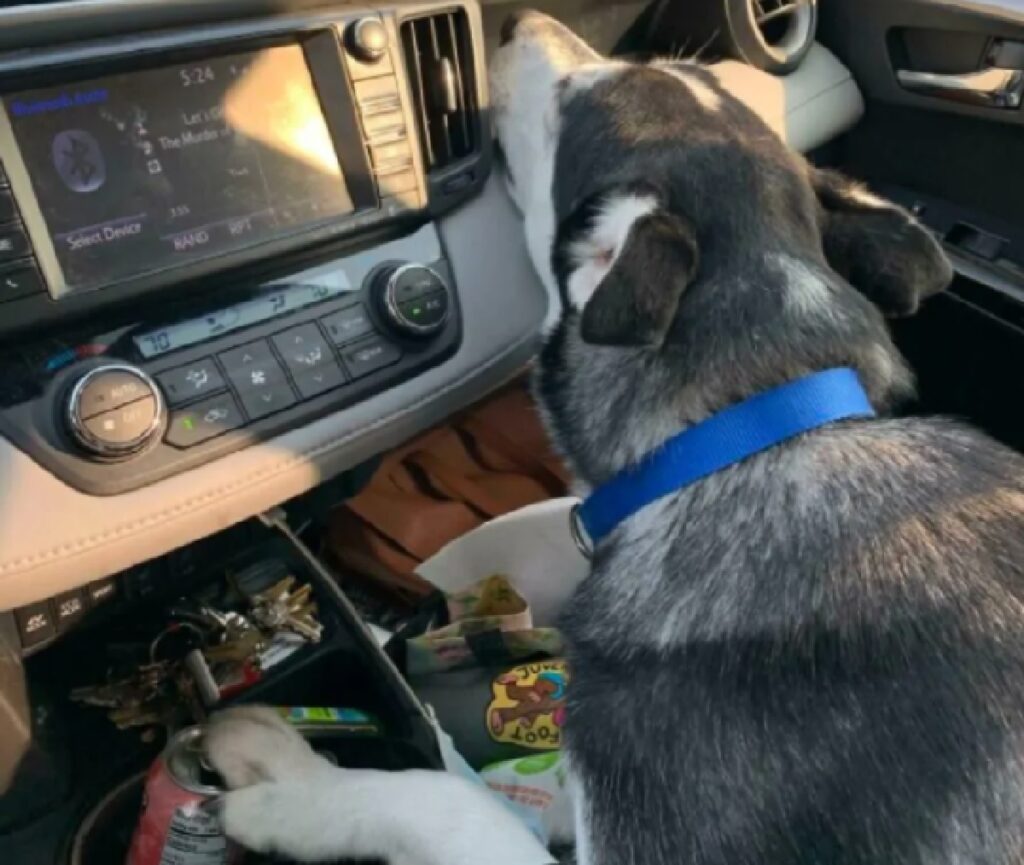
698,259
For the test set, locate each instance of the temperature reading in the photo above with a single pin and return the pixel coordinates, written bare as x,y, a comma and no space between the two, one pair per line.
231,318
157,342
191,76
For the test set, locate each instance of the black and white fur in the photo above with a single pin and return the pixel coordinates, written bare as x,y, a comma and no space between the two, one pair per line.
814,656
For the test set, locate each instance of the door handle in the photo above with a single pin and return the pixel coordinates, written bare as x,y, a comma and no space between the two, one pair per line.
991,88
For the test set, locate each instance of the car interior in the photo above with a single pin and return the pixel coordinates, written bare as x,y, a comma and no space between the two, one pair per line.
267,319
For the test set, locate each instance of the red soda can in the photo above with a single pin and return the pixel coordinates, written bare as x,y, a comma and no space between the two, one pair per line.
175,828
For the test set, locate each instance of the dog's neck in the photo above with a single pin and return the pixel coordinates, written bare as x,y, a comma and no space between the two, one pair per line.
740,431
607,408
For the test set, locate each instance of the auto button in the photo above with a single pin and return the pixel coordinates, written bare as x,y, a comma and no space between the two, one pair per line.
112,389
113,411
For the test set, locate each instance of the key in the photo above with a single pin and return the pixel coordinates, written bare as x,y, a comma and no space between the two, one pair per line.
202,615
282,616
238,649
136,716
144,683
102,696
144,698
279,591
301,598
202,685
304,625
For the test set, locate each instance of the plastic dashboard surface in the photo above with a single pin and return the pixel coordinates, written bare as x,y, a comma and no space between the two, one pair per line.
54,538
34,422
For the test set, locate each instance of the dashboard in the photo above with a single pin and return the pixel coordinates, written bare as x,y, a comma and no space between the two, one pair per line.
245,246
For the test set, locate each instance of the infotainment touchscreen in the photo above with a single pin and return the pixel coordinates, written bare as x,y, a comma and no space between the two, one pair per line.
141,171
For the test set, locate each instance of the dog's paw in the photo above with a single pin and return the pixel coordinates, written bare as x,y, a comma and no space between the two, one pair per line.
252,744
269,818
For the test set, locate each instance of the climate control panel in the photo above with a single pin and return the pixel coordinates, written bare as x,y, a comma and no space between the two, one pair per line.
116,410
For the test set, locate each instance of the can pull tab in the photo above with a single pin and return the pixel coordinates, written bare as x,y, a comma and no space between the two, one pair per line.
208,776
213,806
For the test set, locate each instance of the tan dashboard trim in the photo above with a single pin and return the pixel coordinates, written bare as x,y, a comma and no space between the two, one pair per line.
257,478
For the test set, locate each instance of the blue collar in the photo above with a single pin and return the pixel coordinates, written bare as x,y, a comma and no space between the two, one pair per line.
728,437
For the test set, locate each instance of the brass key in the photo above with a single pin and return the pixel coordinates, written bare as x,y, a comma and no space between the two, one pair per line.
136,689
305,625
243,647
279,609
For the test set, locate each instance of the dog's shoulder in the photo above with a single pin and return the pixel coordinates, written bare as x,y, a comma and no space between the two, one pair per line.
831,632
873,517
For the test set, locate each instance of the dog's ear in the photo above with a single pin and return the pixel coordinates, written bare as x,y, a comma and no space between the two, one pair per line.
625,262
878,247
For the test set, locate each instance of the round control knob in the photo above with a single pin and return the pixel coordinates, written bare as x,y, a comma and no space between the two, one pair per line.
114,411
367,40
413,299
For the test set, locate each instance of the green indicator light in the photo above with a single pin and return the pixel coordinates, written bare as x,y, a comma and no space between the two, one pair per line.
188,423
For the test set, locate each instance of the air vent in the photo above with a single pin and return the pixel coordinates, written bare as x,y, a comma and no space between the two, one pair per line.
439,57
775,18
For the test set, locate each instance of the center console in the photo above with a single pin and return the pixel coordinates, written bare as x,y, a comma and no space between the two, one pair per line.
209,237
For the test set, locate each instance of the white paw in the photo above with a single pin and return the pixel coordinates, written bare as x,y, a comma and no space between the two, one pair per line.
252,744
268,818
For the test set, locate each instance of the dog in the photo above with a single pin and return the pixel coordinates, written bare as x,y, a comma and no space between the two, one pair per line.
814,655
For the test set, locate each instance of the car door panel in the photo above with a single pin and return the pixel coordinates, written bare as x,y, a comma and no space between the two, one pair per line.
950,156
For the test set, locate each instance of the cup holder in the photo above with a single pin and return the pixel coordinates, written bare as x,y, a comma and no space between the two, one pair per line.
347,669
105,833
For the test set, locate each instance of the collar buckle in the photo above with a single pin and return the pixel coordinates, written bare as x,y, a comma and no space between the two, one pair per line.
580,534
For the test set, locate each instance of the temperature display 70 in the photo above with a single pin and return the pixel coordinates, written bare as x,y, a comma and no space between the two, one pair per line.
195,330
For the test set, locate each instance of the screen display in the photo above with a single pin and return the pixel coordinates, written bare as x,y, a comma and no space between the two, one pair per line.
150,169
185,333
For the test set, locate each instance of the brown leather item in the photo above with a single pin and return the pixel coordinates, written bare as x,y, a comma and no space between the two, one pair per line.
493,459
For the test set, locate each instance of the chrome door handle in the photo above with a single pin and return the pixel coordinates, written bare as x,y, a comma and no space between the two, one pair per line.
992,88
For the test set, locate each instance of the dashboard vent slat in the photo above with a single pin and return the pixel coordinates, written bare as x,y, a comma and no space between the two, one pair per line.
413,53
438,53
460,83
766,12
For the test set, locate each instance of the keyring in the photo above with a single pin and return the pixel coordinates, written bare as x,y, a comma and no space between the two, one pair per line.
171,629
579,534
